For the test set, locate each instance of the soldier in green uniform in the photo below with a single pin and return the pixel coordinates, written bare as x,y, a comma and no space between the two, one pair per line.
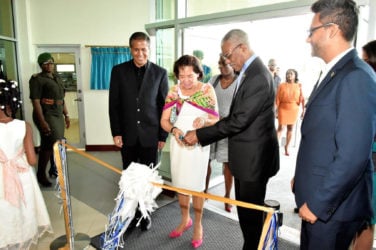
50,114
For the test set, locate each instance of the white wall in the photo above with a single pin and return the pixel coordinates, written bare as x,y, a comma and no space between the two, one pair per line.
84,22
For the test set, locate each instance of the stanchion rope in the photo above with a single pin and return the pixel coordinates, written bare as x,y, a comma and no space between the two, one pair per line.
179,190
270,211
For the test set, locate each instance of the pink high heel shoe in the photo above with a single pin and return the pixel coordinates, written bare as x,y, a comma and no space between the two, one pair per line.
176,234
196,243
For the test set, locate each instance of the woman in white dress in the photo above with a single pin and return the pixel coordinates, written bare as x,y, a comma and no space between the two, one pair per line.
23,213
189,105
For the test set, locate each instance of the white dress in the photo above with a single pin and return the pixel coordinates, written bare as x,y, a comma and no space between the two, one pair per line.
23,223
189,164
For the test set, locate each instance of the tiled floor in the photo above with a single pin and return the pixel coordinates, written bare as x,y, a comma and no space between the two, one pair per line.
85,220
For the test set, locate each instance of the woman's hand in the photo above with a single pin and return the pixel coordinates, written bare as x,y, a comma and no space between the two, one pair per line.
179,135
199,122
46,130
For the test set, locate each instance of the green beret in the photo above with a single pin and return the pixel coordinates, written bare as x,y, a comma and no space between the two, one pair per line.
199,54
44,57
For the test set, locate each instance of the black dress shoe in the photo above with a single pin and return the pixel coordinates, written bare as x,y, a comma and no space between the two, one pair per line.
52,173
44,182
132,224
145,224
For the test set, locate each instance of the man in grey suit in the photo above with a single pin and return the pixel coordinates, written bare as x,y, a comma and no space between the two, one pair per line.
333,175
138,89
253,145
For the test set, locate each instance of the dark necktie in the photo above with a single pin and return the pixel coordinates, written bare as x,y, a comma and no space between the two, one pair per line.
317,83
315,87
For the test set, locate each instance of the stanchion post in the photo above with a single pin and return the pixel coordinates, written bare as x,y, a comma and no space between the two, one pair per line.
69,241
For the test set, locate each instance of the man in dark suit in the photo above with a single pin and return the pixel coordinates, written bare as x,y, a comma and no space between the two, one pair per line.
138,89
253,145
333,176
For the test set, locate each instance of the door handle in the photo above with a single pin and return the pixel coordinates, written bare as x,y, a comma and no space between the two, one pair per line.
78,99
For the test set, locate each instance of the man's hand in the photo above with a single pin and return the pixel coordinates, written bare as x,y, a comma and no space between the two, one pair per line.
190,138
161,145
118,140
306,214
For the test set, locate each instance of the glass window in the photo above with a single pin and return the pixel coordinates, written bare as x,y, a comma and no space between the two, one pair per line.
275,43
208,39
165,51
8,44
363,27
6,18
9,63
8,59
164,10
199,7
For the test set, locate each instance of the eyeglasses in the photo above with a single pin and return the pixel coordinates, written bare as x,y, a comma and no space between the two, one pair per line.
312,30
228,55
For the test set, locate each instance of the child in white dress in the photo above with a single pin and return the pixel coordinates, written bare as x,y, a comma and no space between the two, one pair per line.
23,213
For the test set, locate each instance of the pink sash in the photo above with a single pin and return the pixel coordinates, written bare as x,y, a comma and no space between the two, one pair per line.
13,191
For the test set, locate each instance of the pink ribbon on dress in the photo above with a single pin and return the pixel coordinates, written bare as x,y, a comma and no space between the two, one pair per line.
13,190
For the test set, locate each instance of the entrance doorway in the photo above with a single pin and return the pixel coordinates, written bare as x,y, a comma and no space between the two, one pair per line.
67,66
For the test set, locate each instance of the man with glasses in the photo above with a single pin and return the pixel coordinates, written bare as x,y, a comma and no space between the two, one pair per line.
252,139
333,176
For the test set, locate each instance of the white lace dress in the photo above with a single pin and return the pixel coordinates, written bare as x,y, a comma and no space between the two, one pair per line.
23,214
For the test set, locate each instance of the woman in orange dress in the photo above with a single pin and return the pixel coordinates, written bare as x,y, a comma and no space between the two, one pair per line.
288,99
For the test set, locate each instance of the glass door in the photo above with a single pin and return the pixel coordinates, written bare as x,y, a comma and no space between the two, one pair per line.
67,66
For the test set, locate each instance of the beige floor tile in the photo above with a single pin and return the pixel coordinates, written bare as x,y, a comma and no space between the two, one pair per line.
86,220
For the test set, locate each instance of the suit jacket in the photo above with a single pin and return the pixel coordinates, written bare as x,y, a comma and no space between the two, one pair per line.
334,167
253,145
136,113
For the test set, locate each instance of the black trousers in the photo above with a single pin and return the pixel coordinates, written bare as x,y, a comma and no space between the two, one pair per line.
250,220
139,154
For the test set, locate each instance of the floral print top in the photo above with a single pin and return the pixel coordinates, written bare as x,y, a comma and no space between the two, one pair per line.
203,99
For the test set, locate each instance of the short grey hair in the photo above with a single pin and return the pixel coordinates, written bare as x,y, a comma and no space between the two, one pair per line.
236,36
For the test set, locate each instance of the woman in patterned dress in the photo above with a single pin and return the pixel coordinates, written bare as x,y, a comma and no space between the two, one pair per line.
189,105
